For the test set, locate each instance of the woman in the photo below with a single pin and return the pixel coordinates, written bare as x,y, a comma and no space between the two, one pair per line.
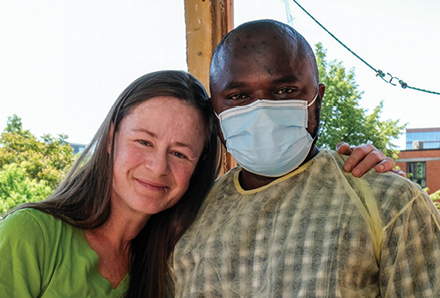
110,227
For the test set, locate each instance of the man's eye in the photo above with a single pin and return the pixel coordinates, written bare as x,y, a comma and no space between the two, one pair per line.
285,91
238,97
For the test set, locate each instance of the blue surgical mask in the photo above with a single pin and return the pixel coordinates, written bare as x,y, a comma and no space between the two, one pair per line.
268,137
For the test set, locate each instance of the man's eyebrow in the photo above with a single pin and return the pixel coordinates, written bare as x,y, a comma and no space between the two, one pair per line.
290,78
233,85
287,79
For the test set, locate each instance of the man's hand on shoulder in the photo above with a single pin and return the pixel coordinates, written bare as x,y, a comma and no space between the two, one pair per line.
364,157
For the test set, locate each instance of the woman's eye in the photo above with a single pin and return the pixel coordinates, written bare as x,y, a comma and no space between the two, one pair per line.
143,142
179,155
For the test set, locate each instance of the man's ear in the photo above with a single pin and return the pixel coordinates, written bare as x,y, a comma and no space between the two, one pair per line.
110,138
321,90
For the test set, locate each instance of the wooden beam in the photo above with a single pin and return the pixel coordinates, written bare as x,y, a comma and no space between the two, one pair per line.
207,21
198,38
223,20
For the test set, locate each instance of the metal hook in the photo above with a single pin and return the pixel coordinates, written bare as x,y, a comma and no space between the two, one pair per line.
392,78
382,75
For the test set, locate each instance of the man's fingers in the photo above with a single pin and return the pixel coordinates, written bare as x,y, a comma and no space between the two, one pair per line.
369,162
366,157
399,172
385,165
358,156
343,148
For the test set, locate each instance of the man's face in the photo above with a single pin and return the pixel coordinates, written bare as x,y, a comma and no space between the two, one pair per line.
263,67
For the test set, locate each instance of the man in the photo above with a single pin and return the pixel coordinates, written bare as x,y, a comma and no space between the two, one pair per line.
289,222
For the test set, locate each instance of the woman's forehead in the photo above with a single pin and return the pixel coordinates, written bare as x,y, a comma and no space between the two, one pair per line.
168,116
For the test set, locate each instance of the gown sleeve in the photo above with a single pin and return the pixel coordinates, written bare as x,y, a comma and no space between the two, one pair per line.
410,265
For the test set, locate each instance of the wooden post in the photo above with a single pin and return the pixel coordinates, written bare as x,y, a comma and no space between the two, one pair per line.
207,21
198,38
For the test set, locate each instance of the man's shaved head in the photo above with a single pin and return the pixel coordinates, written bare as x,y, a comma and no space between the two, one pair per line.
242,40
268,60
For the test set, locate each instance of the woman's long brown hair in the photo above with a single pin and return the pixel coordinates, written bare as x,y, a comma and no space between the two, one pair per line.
83,197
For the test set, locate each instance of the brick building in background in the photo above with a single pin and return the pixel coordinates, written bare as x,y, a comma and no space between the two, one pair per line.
422,157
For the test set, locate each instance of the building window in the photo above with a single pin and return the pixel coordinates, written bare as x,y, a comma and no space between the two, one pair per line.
417,171
431,139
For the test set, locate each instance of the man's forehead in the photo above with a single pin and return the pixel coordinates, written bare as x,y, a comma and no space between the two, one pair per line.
256,56
259,39
249,53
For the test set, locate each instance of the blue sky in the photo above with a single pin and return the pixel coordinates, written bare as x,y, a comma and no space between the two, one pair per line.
63,63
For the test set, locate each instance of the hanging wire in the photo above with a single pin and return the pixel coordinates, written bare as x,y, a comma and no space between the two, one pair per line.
379,73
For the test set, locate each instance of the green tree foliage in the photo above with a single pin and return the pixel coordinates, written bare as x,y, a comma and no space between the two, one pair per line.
435,197
30,168
46,159
341,117
17,188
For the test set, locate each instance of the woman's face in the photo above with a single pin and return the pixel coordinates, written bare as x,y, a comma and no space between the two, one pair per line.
156,151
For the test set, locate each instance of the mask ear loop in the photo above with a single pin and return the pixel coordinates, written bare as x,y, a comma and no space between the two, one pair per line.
313,101
224,150
216,115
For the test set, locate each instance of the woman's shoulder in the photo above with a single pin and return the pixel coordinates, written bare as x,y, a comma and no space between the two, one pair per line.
28,222
28,215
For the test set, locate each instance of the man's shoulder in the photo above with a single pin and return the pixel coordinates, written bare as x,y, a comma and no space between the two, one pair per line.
221,185
386,188
371,177
225,180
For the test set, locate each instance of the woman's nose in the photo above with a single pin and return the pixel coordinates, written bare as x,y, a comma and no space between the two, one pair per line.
157,163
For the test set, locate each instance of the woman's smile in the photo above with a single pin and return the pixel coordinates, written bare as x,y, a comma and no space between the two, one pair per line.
149,185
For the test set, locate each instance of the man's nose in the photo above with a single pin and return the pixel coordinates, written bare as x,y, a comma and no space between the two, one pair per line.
264,94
